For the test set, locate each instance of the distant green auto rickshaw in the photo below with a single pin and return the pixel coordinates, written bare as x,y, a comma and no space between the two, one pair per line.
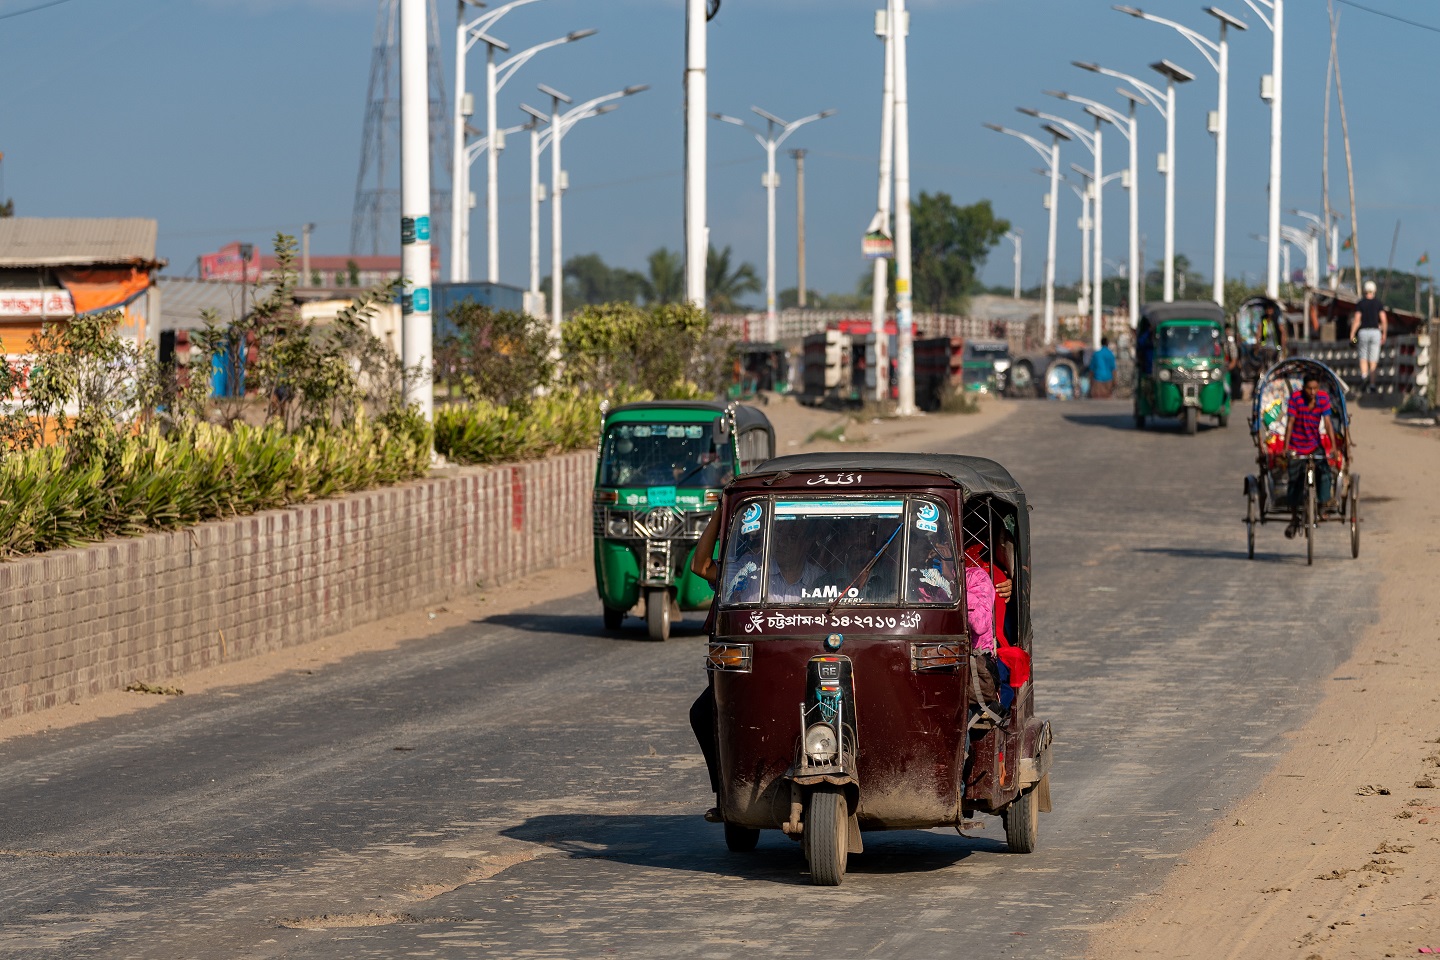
1180,360
661,467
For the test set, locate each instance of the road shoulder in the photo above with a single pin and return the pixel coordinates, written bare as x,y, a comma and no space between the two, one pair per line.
1337,852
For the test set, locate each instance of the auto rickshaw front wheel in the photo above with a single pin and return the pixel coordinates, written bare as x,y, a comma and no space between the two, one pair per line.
657,615
1022,822
740,839
827,835
613,618
1192,420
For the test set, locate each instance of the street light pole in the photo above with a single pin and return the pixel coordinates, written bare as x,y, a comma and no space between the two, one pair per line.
886,26
1274,86
1051,156
770,140
1092,140
697,244
415,327
1015,237
904,268
1218,55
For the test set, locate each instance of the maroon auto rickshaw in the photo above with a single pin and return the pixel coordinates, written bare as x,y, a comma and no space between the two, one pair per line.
848,694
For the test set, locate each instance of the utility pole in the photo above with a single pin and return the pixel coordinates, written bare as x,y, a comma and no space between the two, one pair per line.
799,156
904,302
697,233
880,278
416,331
305,232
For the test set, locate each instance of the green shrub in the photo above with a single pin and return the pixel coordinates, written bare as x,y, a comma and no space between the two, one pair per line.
674,349
484,433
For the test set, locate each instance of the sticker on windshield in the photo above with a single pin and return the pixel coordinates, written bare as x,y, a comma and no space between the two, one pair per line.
750,519
793,509
675,432
642,431
694,433
927,518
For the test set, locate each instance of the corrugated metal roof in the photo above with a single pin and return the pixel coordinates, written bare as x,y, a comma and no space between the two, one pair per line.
58,241
182,300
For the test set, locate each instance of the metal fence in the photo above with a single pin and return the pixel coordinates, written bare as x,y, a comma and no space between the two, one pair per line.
1404,368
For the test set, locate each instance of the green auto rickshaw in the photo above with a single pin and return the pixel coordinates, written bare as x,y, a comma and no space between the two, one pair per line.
661,468
1180,363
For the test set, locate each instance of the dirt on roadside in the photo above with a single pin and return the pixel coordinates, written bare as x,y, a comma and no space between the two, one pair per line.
797,428
1337,852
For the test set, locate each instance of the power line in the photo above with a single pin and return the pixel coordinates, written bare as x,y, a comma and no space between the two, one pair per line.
38,6
1390,16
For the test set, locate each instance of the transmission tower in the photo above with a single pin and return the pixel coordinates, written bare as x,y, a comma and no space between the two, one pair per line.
375,223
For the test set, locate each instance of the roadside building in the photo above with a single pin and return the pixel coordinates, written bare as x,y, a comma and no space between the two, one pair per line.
319,275
55,269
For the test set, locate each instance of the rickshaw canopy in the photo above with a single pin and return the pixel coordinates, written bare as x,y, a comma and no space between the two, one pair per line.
1296,369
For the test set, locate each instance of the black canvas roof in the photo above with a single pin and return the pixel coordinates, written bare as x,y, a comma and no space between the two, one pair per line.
974,475
746,417
1184,310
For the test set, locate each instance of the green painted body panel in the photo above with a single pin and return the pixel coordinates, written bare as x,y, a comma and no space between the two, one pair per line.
1159,398
617,578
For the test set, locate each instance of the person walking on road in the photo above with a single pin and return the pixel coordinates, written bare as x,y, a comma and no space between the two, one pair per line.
1102,371
1367,331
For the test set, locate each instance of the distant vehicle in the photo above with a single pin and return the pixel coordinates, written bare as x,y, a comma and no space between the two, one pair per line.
838,367
1186,376
661,467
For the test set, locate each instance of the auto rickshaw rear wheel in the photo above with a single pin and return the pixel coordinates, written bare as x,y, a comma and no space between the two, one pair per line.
1022,822
657,615
613,618
827,835
1191,421
741,839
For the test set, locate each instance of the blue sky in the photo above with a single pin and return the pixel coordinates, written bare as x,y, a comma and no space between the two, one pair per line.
232,119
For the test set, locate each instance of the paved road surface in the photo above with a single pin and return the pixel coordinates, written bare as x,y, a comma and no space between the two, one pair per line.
528,786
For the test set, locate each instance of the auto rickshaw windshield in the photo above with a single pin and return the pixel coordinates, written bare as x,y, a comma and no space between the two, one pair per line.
1184,341
665,454
850,551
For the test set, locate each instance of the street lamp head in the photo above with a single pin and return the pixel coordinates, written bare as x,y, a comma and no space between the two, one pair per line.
725,119
993,126
1029,111
1171,72
497,44
638,88
552,92
1061,94
825,113
580,34
768,116
1085,65
1130,95
603,108
1056,132
538,115
1133,11
1099,114
1226,18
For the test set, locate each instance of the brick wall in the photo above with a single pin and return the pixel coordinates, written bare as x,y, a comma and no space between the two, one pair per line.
80,622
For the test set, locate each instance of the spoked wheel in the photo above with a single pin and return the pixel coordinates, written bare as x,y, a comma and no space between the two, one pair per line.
1252,509
613,618
827,836
1192,421
741,839
1022,822
1310,523
1353,509
657,615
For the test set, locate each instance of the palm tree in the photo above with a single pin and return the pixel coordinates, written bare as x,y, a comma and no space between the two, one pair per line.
666,282
723,286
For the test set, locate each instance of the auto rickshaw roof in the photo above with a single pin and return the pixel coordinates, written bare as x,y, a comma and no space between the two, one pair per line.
977,476
746,417
1184,310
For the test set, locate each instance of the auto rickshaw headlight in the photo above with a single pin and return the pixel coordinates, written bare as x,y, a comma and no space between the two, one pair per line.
1164,374
618,525
1217,374
834,641
821,743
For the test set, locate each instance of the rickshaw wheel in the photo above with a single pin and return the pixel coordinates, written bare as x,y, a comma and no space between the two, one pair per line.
1310,524
827,836
741,839
1022,822
1251,507
657,615
613,618
1192,420
1354,511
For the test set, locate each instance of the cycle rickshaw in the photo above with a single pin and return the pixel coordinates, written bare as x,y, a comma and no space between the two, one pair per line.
1267,492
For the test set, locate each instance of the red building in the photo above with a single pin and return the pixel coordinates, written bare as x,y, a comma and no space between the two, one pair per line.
242,261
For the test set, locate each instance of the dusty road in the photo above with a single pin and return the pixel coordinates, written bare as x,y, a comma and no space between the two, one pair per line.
526,786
